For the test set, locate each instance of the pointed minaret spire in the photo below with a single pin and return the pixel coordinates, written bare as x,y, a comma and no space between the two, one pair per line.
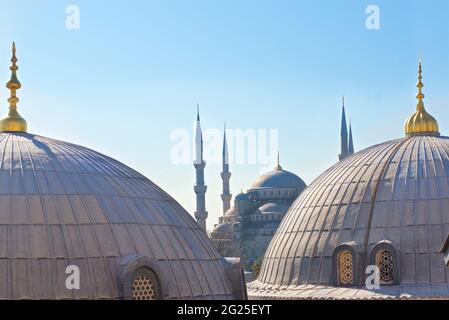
343,135
200,188
198,139
351,141
226,196
13,122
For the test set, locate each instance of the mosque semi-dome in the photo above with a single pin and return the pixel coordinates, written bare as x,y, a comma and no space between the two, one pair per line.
65,205
385,206
223,230
272,207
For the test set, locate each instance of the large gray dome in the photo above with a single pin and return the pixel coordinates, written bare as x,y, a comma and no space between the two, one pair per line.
278,178
62,204
390,199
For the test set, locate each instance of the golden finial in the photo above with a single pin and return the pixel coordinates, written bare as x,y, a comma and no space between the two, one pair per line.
420,85
421,122
13,122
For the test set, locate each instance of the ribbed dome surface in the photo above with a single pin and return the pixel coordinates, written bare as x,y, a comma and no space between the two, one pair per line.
278,178
396,192
63,205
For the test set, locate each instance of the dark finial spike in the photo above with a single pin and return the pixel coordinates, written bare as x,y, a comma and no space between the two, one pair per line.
351,141
278,165
344,128
343,134
225,147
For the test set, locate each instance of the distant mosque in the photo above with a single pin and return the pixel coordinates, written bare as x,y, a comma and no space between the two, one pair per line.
246,229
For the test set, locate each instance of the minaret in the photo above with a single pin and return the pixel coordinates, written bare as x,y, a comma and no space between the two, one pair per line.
13,122
351,141
199,164
343,135
225,176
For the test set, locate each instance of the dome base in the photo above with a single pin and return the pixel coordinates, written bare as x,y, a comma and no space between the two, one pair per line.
426,133
323,292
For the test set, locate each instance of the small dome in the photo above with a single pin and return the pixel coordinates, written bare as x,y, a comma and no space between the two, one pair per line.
272,207
230,212
279,178
223,231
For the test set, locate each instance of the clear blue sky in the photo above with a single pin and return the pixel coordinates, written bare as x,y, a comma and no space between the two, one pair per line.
135,70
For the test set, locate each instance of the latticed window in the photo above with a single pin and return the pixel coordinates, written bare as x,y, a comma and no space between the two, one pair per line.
345,268
384,261
145,285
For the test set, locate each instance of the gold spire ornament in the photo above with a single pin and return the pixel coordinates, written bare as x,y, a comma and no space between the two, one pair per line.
421,122
13,122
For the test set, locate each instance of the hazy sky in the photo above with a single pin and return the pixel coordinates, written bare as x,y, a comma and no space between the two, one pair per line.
131,76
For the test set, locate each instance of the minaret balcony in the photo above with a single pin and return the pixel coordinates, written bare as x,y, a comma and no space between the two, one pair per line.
200,189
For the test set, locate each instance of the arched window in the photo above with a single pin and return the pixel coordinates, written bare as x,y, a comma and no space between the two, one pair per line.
145,285
345,268
385,263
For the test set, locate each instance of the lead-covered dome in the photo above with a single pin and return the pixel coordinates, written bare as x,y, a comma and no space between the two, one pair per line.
76,224
379,214
63,204
389,199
